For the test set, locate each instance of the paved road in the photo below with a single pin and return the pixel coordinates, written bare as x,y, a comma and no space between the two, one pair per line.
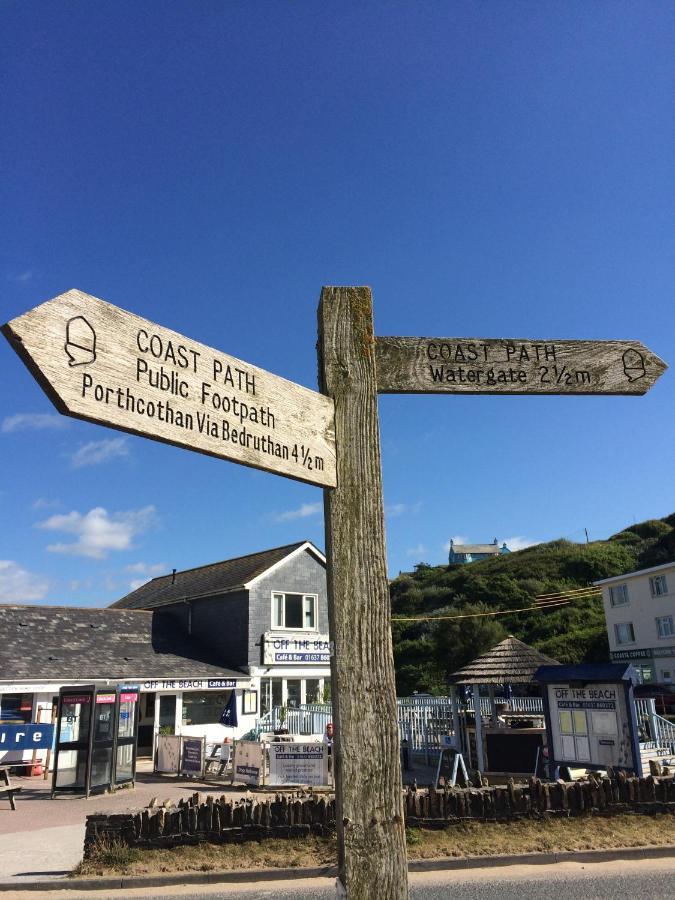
647,879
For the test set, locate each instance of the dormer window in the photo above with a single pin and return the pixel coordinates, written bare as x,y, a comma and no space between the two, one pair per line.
294,611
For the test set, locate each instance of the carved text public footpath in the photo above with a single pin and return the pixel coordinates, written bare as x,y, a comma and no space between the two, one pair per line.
106,365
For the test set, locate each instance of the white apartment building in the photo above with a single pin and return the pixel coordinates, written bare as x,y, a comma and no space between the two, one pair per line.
640,617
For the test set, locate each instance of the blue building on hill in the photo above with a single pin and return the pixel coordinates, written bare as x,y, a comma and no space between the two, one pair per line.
468,553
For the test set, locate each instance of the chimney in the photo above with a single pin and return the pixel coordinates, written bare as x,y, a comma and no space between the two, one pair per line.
173,576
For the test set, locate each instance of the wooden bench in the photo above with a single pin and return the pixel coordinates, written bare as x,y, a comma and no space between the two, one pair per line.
6,786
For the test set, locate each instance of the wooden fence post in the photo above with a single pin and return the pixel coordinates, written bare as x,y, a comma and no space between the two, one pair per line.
369,802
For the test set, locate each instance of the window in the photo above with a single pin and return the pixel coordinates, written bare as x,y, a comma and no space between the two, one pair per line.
312,690
296,611
664,626
249,703
204,708
271,694
624,633
645,674
618,595
16,709
574,734
658,585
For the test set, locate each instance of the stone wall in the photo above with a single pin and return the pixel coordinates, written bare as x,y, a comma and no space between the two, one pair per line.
223,820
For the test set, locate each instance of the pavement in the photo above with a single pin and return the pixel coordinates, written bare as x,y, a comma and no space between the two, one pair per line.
43,838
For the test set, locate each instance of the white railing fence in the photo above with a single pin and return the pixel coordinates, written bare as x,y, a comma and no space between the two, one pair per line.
422,721
310,718
656,731
513,705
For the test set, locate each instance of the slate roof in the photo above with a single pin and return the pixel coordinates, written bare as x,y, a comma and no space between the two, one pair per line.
476,548
587,673
215,578
58,643
509,662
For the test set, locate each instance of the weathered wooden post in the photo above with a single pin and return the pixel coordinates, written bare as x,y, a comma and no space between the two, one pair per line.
369,802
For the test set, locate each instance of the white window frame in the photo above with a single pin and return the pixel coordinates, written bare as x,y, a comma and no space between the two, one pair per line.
305,596
622,590
655,584
617,626
667,634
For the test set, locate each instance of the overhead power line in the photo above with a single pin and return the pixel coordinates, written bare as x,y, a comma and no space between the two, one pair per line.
547,604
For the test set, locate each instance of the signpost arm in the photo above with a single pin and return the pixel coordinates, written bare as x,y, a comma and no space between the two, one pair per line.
369,803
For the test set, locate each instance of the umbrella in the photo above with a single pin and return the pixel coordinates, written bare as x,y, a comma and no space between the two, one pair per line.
229,714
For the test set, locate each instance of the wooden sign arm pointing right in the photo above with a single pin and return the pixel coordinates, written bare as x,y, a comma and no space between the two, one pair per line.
513,366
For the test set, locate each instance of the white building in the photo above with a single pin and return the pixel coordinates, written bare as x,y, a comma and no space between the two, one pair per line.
640,616
255,626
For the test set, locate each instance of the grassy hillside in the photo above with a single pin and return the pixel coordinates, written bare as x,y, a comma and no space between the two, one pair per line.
427,651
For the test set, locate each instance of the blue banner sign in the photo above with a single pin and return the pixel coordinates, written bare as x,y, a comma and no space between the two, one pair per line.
26,737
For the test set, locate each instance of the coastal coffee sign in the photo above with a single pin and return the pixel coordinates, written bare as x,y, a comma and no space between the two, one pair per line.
100,363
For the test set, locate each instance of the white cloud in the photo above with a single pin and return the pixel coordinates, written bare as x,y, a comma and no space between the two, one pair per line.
96,452
142,568
518,542
417,551
46,503
99,532
457,539
77,584
302,512
33,422
146,571
22,278
394,510
137,582
18,585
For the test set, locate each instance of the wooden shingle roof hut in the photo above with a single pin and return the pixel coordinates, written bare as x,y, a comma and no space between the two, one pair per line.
509,662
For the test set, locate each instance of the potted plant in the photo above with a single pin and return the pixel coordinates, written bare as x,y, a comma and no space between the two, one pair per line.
283,714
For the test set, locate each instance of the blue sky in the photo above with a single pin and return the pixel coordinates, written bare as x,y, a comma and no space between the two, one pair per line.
489,169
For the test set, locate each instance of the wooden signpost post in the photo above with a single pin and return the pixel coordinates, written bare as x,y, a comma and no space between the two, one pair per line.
100,363
354,367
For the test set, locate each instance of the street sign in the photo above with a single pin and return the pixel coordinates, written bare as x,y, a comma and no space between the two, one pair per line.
513,366
102,364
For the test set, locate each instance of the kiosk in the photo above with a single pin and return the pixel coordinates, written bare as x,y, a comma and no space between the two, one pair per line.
590,716
96,736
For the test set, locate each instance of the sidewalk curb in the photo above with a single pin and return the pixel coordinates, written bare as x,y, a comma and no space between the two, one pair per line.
250,876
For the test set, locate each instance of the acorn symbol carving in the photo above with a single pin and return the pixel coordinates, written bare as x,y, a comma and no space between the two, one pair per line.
80,342
633,365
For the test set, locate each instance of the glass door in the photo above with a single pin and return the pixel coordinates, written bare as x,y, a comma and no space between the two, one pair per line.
127,717
72,741
103,741
167,713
